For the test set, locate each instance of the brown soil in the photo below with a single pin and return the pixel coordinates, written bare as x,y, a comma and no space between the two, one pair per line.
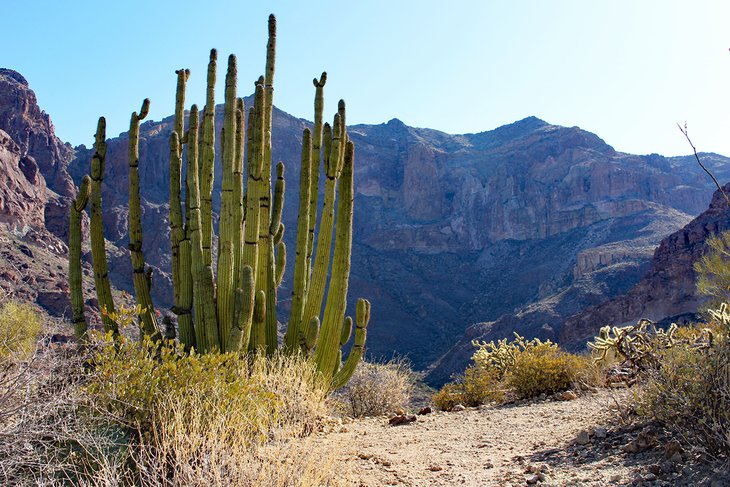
511,445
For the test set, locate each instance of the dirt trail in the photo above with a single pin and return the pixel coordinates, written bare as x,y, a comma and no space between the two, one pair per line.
508,445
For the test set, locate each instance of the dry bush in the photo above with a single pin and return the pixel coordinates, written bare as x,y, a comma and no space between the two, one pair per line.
542,369
690,390
479,384
20,325
214,419
377,388
47,434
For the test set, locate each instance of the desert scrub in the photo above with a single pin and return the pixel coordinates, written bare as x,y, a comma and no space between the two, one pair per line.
519,368
140,382
20,324
376,389
542,369
478,385
690,389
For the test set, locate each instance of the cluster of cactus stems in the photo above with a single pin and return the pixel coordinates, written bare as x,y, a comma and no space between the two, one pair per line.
233,308
637,345
501,355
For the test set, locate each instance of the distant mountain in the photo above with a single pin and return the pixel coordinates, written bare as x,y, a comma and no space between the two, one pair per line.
530,220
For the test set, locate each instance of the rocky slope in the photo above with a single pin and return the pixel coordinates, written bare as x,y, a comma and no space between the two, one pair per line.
449,229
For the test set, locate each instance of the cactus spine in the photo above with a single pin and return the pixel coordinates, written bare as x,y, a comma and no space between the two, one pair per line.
234,308
74,258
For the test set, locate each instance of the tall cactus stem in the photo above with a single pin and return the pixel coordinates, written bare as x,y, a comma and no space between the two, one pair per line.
301,276
141,285
98,246
227,226
75,275
316,157
206,326
207,155
325,354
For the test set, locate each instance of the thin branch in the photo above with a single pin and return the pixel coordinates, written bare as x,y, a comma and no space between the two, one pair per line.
686,135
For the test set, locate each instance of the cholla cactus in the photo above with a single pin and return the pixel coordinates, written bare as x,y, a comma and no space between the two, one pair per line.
638,345
501,355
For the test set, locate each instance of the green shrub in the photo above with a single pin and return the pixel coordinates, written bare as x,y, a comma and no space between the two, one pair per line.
20,324
377,388
542,369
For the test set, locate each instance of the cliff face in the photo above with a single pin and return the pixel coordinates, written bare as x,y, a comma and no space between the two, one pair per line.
667,289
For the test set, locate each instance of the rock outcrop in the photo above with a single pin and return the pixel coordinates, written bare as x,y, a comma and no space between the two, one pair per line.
668,289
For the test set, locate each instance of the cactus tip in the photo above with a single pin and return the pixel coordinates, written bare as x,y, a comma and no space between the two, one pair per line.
272,25
213,54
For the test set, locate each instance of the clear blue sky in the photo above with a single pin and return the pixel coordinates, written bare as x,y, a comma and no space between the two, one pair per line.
628,70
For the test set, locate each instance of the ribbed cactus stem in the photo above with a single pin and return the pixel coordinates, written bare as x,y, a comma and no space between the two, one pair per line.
301,277
207,160
280,263
258,321
362,318
320,268
256,190
148,317
177,230
226,282
75,275
98,246
241,328
238,208
316,158
329,340
206,326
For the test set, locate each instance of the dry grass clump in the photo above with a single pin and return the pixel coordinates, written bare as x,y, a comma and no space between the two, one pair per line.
480,384
20,325
377,388
123,413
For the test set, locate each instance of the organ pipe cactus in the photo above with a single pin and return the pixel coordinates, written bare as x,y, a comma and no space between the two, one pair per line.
74,258
233,307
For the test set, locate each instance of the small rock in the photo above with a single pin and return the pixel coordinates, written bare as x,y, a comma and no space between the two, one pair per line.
489,465
650,477
583,438
671,448
567,396
344,430
600,433
424,411
26,250
656,469
401,419
532,479
435,468
457,408
676,458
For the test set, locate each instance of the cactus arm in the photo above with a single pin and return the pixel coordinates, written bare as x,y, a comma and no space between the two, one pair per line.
346,331
325,354
316,157
205,166
239,335
75,275
141,285
98,246
301,277
362,316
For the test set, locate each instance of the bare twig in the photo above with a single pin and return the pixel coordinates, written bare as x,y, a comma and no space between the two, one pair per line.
686,135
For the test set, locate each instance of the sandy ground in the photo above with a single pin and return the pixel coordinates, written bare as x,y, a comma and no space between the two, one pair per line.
533,443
